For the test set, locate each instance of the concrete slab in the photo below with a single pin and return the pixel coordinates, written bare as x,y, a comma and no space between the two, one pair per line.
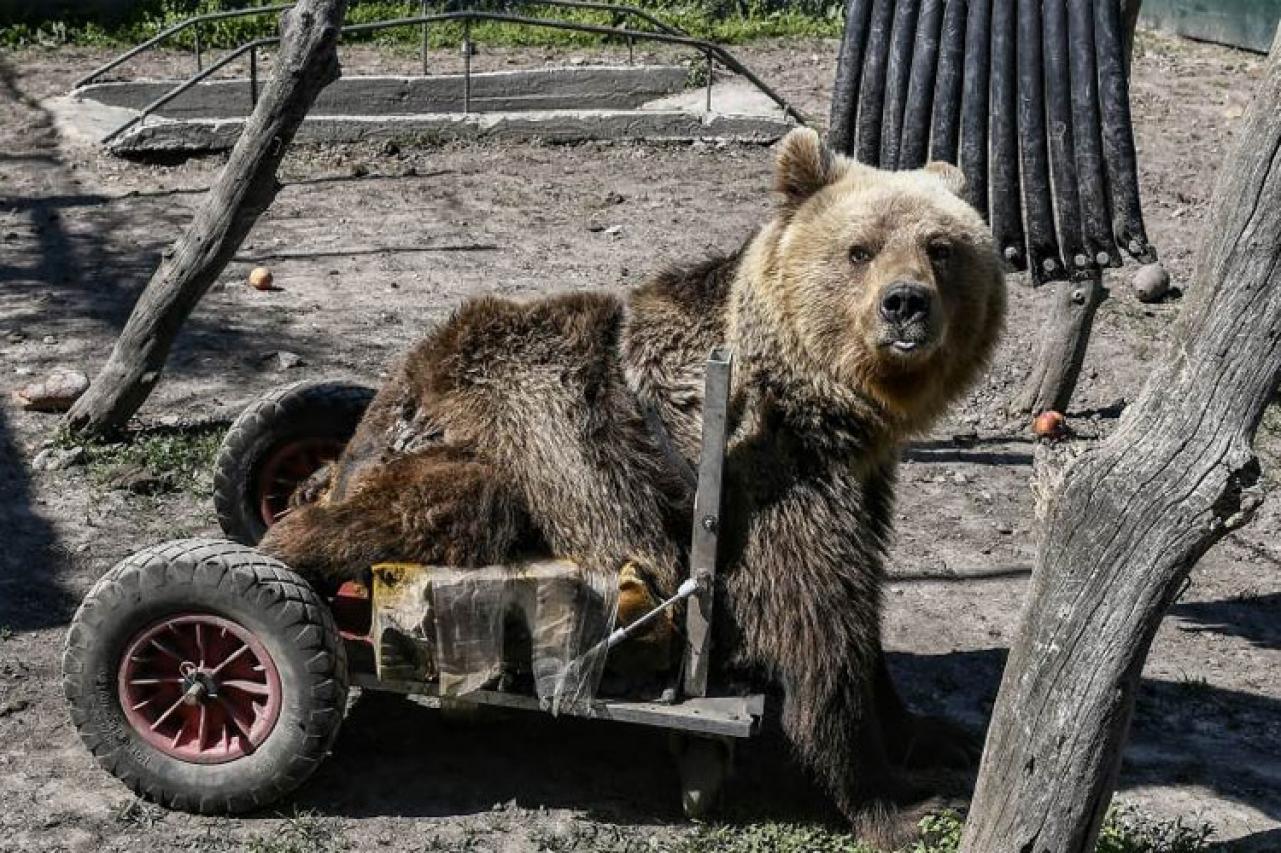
169,136
564,105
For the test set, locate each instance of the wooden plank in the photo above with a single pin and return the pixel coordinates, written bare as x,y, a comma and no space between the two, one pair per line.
707,511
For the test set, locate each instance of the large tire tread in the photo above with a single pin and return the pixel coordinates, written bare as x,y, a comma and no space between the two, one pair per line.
334,406
300,614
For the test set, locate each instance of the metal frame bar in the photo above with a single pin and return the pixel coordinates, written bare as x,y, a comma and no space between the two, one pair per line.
629,11
707,521
174,30
710,49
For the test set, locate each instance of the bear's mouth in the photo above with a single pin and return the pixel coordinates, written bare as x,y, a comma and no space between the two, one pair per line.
906,346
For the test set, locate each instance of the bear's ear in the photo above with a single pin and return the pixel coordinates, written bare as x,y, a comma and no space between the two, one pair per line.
803,166
951,176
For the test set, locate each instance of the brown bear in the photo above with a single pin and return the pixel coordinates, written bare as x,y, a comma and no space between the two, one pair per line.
866,304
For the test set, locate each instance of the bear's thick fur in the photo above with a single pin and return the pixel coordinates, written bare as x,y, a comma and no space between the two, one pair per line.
867,304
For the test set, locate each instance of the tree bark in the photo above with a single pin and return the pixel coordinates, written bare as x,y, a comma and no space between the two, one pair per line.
1126,521
1064,340
307,62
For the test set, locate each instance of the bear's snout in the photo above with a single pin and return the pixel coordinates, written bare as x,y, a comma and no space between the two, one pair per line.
904,303
907,312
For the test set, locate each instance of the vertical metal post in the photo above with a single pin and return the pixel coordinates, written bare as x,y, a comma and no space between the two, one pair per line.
466,65
707,522
709,82
423,12
253,76
631,51
199,58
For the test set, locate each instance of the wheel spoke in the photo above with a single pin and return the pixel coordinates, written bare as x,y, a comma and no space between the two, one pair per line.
168,712
167,650
200,644
233,656
149,681
202,726
237,720
254,687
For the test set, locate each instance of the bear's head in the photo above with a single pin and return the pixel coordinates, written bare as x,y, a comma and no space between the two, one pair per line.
886,283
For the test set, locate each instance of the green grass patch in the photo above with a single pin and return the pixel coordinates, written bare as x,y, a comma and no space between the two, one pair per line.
1125,830
727,21
150,461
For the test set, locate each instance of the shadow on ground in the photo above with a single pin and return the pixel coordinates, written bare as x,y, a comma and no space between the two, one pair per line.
31,596
1257,620
396,758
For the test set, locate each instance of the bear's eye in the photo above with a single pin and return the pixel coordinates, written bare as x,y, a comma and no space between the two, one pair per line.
940,253
860,254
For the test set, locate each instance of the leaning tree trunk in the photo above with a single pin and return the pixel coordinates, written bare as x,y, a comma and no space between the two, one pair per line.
1064,340
1126,521
306,64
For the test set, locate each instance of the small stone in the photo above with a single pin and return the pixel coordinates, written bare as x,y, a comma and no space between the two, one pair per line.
390,148
16,337
14,707
1004,529
141,481
1151,283
48,339
284,360
57,458
55,394
614,198
960,479
614,230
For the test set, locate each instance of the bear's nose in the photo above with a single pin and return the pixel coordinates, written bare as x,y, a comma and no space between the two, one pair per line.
905,303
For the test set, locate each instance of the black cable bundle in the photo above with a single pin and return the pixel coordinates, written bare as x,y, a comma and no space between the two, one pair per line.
1029,97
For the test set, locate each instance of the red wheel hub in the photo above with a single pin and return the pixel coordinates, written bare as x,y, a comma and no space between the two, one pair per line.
286,467
199,688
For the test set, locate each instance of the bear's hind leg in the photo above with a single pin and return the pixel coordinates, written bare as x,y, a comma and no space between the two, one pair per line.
436,506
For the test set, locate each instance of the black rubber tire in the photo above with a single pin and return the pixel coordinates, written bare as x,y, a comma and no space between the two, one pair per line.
263,596
324,409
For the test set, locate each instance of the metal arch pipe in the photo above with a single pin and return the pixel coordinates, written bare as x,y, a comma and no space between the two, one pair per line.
172,31
1038,201
849,71
196,20
703,46
1007,210
1118,134
871,92
1090,171
945,124
974,105
1058,112
914,140
897,71
187,84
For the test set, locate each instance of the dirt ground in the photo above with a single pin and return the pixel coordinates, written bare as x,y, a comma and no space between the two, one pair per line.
371,247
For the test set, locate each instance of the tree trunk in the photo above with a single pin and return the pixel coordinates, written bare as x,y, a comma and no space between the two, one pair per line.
1126,521
1064,339
306,64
